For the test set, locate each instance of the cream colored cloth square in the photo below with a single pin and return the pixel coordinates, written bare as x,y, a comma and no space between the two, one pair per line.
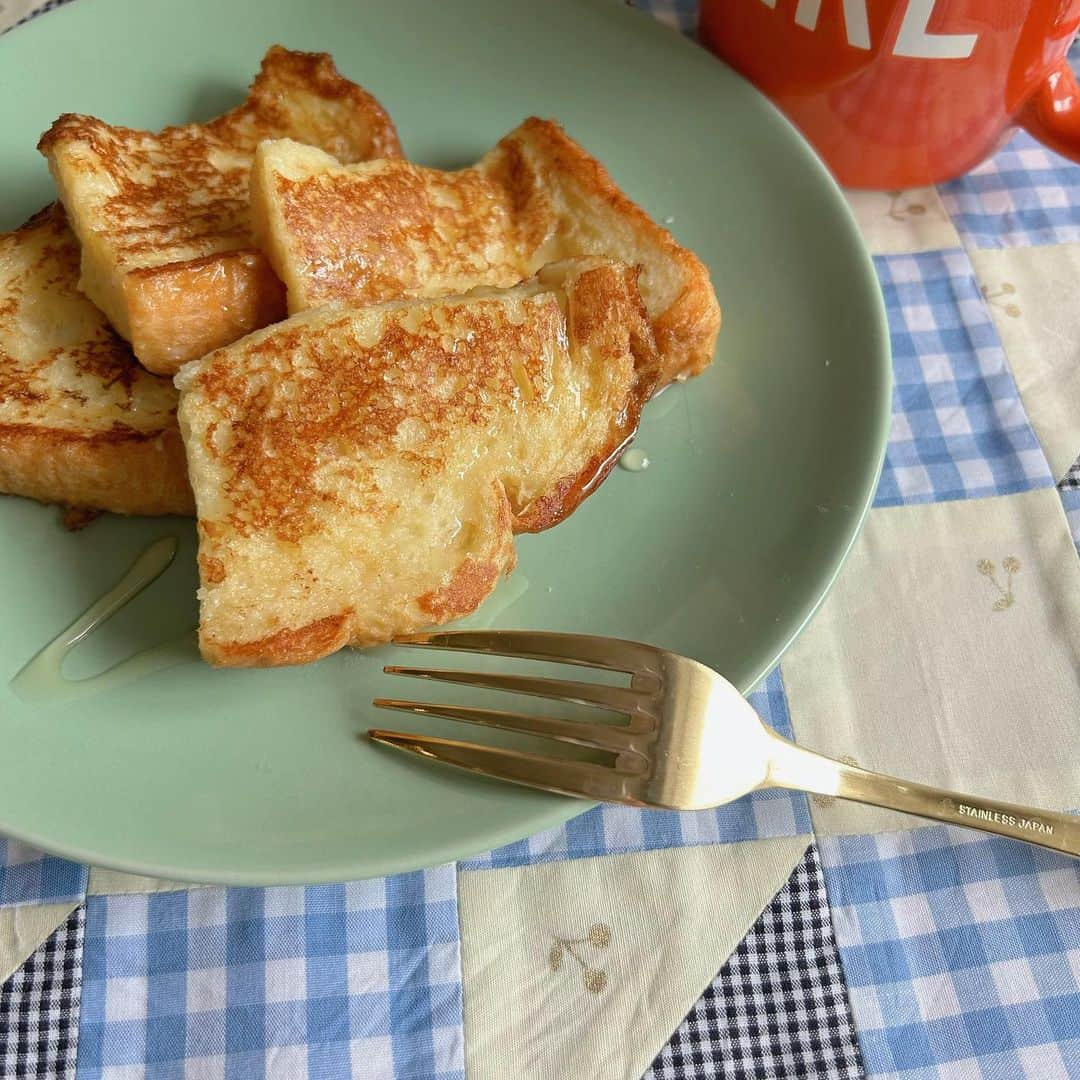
102,882
24,927
1031,293
948,652
584,968
900,222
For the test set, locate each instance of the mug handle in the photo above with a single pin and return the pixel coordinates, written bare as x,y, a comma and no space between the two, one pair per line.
1052,113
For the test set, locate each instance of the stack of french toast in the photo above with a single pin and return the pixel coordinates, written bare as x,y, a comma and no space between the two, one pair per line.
361,375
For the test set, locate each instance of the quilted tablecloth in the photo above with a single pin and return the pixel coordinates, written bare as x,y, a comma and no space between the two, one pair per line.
776,937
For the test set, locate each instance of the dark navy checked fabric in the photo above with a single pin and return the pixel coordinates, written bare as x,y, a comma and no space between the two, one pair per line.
1069,489
39,1008
778,1007
958,958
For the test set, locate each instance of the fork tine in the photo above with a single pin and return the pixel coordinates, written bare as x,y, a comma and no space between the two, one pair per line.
596,736
584,650
602,697
581,779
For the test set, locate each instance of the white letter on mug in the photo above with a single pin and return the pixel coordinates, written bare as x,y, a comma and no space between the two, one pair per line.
855,22
913,40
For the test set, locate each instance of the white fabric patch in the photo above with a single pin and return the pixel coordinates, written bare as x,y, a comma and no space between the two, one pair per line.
561,960
899,222
951,635
1031,293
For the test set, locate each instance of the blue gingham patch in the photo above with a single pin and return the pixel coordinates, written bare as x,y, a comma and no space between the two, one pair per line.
961,952
617,830
1022,196
959,429
29,876
329,981
679,14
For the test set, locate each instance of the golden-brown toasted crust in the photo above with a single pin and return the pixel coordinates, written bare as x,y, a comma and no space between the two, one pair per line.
141,201
686,329
379,460
470,585
81,423
596,312
126,472
405,231
477,575
374,231
77,518
355,128
299,646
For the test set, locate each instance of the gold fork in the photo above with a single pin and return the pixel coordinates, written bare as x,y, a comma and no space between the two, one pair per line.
691,740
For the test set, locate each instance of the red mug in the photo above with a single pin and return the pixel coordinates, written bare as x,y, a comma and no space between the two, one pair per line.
902,93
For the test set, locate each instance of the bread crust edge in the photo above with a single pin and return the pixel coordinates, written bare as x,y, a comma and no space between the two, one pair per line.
125,472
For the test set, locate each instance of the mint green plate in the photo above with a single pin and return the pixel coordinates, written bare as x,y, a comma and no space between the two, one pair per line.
761,470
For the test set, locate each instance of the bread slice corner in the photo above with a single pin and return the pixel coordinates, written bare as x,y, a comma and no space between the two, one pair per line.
163,219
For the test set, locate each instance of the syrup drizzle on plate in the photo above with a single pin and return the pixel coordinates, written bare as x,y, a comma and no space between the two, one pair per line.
42,680
634,460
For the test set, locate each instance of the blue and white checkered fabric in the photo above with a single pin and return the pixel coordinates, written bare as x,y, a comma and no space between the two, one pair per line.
324,982
1023,196
29,876
959,429
961,953
614,830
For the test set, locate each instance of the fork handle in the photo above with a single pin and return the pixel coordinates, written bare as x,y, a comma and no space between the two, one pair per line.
793,766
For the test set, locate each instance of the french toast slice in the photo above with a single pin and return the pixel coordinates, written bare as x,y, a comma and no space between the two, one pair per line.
360,472
81,423
167,250
374,231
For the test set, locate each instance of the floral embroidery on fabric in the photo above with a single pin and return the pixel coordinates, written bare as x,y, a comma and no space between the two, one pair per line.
998,299
598,937
901,213
1010,565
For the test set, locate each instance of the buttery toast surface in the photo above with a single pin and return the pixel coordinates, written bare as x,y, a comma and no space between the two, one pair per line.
163,219
81,423
360,472
383,229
